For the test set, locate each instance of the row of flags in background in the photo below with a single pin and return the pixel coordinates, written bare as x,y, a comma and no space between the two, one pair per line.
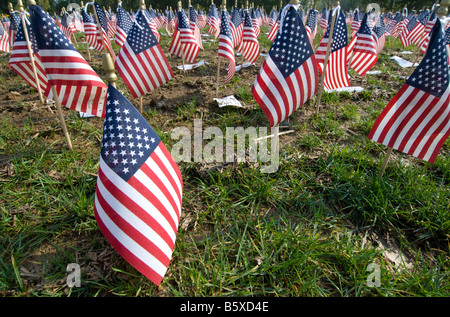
139,186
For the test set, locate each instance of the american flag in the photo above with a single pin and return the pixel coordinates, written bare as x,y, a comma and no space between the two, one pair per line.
274,30
141,62
311,25
323,22
336,72
6,23
365,51
201,19
380,35
213,22
413,33
356,23
103,21
13,27
288,76
138,196
170,21
255,22
429,26
4,40
152,22
93,38
123,26
76,83
193,23
66,27
250,45
184,44
20,60
226,49
236,27
417,120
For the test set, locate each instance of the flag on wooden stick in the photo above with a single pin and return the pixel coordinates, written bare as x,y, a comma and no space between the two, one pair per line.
76,83
226,47
141,62
288,77
417,120
365,51
336,69
139,190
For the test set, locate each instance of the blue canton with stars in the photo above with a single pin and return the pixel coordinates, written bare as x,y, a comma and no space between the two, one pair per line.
236,18
128,140
312,19
141,37
432,74
225,25
183,22
291,47
365,28
124,20
340,38
101,17
48,35
193,14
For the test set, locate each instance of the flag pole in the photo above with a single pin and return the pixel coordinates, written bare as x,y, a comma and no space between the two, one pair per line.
385,161
30,50
327,55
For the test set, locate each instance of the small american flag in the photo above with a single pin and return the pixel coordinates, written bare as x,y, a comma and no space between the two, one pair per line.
184,44
193,23
93,38
152,22
213,21
4,40
311,25
365,51
141,63
67,27
103,21
20,60
274,30
323,22
429,26
138,196
236,27
226,47
413,33
201,19
380,35
255,22
13,27
288,76
356,23
337,72
417,120
77,84
123,26
250,45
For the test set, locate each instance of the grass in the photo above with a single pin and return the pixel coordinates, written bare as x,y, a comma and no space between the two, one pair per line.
312,228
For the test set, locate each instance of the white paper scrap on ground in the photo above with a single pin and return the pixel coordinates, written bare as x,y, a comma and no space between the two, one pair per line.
245,65
402,62
374,72
349,89
228,101
192,66
406,52
86,115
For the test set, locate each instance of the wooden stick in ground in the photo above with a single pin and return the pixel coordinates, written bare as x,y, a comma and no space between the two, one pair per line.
385,161
327,55
141,109
61,117
217,81
30,51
